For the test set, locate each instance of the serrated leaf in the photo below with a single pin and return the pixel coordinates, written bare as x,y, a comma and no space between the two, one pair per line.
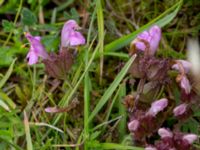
72,15
7,26
66,15
51,42
75,14
28,17
5,57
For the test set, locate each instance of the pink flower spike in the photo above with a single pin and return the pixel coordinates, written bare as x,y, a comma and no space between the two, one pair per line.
133,125
185,84
165,133
190,138
36,49
180,109
148,40
69,35
186,65
158,106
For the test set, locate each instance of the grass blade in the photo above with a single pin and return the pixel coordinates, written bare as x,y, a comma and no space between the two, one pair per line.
100,22
123,112
7,75
111,88
27,131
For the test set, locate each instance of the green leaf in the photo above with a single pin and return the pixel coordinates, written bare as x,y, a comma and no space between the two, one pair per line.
100,24
65,5
28,17
75,14
7,75
111,88
4,105
8,6
51,42
6,56
7,26
28,134
4,97
72,15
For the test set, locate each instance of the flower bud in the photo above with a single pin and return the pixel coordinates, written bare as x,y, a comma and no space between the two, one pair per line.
185,64
158,106
190,138
180,110
165,133
133,125
185,84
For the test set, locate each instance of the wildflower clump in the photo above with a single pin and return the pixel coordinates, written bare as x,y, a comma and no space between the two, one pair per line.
56,65
153,104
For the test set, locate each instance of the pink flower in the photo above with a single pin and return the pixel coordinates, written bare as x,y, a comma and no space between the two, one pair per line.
190,138
185,84
180,109
185,64
148,40
165,133
158,106
69,35
133,125
36,49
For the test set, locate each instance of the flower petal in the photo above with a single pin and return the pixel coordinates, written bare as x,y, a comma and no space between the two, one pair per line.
158,106
76,38
32,57
185,84
186,65
165,133
180,109
133,125
36,46
190,138
155,33
69,35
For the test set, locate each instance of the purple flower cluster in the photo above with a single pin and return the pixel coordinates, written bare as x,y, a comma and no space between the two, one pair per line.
148,41
172,141
142,122
157,78
69,37
56,65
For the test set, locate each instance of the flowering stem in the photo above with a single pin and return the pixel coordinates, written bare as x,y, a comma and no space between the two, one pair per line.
100,22
86,100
